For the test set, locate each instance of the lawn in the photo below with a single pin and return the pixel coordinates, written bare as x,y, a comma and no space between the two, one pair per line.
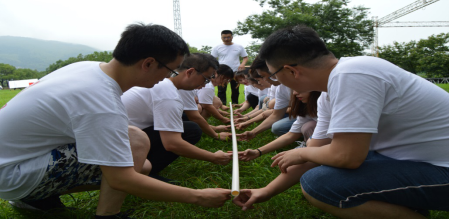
200,174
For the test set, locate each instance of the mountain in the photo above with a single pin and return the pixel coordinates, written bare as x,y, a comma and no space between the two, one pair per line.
24,52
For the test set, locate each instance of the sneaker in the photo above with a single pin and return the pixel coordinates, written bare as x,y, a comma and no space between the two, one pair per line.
163,179
301,144
46,204
120,215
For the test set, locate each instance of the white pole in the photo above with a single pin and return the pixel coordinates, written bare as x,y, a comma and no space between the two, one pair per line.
235,190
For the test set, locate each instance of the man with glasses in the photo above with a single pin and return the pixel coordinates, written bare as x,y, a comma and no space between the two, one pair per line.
60,136
278,121
192,108
389,128
210,104
158,112
229,54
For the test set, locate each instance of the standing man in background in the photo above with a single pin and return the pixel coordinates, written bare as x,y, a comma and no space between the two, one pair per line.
229,54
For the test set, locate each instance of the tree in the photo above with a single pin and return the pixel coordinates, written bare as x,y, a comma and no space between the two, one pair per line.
428,56
346,31
6,73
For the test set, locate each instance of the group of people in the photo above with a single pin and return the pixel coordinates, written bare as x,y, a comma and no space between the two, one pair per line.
378,132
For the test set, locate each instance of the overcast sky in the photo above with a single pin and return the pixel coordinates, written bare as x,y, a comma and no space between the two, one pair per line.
98,23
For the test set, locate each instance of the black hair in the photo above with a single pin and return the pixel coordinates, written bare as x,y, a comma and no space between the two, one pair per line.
226,32
225,71
140,41
258,63
293,45
241,73
299,108
199,61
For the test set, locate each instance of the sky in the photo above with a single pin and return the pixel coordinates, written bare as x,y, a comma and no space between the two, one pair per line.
99,23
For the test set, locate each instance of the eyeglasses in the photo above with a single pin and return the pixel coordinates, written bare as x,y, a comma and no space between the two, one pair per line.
171,70
273,77
226,37
206,80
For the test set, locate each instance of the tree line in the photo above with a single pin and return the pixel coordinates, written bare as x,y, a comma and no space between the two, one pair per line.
346,31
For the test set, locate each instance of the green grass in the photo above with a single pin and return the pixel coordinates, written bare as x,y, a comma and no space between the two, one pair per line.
6,95
198,175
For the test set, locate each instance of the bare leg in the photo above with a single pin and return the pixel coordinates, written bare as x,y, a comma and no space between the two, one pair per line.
370,209
110,200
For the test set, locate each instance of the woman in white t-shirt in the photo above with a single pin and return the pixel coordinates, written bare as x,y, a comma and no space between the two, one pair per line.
304,107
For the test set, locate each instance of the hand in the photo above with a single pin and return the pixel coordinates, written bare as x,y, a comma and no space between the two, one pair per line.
248,154
238,110
225,136
224,107
287,158
241,68
212,198
239,120
237,115
248,197
225,120
221,158
221,128
236,105
224,113
245,136
241,126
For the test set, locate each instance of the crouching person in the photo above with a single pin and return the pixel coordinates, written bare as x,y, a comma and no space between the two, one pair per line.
61,136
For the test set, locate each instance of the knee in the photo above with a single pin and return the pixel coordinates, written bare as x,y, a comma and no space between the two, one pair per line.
138,140
192,132
277,129
271,104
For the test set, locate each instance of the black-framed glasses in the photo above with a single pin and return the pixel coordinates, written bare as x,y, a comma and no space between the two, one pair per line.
206,80
280,69
173,72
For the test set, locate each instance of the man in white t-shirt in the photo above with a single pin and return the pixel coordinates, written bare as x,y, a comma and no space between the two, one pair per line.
229,54
278,121
69,131
390,133
158,112
222,75
206,95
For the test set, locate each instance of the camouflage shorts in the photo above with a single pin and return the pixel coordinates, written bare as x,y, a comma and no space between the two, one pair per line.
64,173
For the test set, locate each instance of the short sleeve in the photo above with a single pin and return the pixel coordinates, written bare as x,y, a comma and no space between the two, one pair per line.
356,101
324,116
206,95
188,98
282,97
168,115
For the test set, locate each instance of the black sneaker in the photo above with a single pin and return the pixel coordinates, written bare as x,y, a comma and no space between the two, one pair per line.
120,215
163,179
46,204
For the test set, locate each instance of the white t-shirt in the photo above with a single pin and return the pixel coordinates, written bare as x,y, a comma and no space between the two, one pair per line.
300,121
251,90
77,103
260,93
229,55
324,118
206,94
160,106
272,93
407,114
188,98
283,94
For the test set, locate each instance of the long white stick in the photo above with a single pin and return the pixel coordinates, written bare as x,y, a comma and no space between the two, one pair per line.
235,190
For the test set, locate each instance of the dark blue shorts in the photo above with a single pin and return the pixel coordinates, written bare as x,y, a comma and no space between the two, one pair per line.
64,173
416,185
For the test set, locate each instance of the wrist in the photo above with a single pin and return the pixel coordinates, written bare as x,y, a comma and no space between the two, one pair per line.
260,152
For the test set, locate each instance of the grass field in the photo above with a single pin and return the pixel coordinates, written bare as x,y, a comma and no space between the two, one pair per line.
199,174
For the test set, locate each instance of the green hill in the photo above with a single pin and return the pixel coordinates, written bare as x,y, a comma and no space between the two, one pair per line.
23,52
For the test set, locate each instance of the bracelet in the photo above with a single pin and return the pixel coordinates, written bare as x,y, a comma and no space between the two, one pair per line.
260,152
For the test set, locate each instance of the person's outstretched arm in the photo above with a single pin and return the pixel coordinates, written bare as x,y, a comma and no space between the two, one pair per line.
266,124
214,112
195,116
